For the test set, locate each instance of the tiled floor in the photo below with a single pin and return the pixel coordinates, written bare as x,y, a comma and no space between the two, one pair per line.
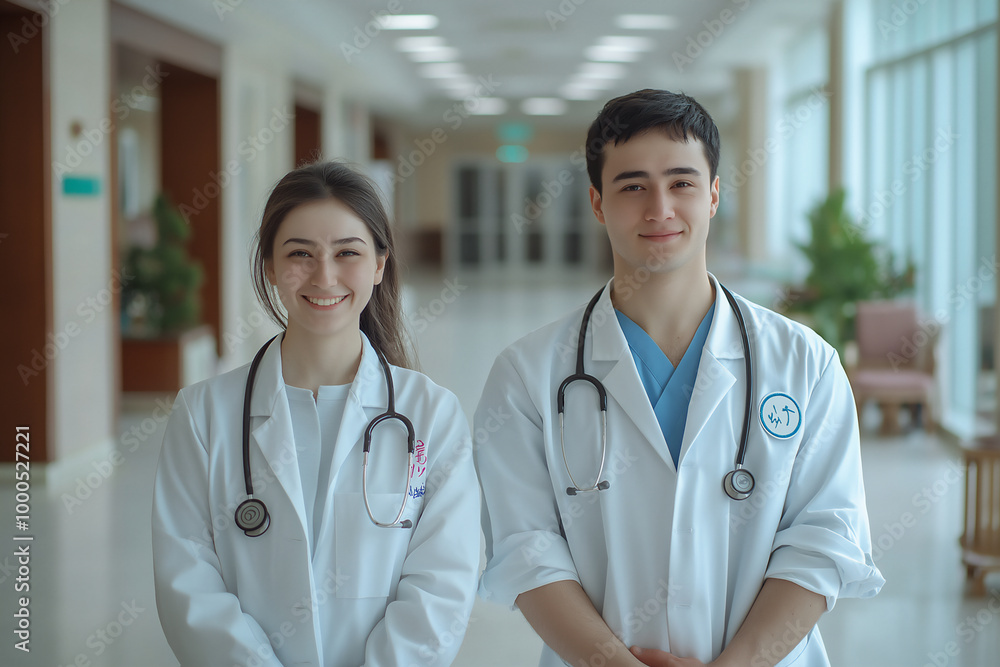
91,590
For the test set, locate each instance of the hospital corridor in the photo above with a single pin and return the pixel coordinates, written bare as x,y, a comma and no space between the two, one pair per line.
857,188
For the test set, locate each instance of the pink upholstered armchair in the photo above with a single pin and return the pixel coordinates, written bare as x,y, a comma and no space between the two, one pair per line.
895,365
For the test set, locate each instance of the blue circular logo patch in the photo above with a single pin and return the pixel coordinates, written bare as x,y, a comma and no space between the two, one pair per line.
780,415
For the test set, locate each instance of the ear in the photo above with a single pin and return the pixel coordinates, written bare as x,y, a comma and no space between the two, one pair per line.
380,261
269,272
715,197
596,204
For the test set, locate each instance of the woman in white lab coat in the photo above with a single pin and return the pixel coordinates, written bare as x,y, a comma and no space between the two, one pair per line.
323,584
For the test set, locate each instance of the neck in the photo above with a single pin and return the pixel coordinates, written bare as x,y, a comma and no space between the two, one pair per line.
308,360
669,307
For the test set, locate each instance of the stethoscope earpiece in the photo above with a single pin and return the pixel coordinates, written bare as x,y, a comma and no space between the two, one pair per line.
252,517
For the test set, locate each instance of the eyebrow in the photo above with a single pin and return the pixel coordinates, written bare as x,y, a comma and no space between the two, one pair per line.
312,244
673,171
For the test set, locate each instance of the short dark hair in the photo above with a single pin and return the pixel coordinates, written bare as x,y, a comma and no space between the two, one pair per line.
624,117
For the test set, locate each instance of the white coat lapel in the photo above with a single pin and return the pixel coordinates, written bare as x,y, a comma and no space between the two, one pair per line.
715,380
271,427
622,381
367,391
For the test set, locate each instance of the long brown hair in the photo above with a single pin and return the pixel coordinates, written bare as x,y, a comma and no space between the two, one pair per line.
382,318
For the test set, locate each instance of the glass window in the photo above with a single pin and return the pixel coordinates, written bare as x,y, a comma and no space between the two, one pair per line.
931,134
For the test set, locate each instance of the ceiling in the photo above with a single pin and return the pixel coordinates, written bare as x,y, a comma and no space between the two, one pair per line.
526,48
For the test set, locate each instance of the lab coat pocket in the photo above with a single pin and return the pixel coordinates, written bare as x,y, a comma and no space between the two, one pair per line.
369,558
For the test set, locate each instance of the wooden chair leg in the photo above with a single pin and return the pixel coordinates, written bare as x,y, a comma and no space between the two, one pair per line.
890,418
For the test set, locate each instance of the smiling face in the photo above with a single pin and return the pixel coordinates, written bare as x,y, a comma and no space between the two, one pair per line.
657,201
325,265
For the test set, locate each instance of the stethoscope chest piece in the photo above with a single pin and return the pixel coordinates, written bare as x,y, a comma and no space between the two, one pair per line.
252,517
738,484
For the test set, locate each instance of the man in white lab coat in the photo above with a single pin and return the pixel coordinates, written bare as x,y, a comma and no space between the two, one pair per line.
637,553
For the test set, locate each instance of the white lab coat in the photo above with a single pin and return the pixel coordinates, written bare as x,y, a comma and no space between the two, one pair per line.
397,596
669,560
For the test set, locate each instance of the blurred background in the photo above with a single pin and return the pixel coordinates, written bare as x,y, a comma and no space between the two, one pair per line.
140,139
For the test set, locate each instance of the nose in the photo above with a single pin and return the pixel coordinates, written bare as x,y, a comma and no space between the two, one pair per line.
659,205
324,273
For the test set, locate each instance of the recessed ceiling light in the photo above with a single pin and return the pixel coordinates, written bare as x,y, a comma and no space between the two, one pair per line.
486,106
408,21
411,44
626,43
605,54
601,71
437,55
440,70
544,106
574,92
646,21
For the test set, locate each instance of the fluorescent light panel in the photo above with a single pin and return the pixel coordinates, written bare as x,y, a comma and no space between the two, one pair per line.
486,106
646,21
440,70
408,22
604,54
441,54
601,71
544,106
626,43
571,92
414,44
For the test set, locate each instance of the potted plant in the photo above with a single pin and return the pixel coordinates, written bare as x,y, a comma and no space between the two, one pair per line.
161,296
845,268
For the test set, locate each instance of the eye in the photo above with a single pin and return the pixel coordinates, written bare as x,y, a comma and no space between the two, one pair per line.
348,253
683,184
298,253
632,188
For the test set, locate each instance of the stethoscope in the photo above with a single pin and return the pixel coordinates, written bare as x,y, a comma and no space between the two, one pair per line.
251,515
738,483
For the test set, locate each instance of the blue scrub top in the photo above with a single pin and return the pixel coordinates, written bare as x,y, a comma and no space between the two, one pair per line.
669,389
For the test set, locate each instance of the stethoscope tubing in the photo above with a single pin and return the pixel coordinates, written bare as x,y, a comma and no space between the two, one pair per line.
251,514
737,484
